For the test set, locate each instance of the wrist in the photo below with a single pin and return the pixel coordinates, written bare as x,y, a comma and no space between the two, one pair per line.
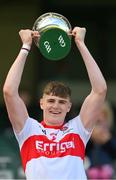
25,48
79,43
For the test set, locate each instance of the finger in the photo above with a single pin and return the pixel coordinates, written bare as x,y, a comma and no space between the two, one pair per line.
70,33
35,34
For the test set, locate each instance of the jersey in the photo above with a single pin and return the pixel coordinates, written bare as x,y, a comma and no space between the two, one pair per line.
53,153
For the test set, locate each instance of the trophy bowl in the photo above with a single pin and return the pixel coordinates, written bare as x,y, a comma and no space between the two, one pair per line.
55,40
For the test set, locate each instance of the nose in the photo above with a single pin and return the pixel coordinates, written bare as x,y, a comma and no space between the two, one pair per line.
56,104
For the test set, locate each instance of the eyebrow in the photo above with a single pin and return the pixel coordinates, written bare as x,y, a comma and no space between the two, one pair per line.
60,100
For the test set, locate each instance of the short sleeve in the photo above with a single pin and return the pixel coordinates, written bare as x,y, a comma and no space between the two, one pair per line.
79,128
30,126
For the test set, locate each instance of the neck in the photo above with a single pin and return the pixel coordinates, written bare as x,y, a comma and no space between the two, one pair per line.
50,125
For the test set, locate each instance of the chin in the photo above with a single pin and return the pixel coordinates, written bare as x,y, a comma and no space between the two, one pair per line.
56,122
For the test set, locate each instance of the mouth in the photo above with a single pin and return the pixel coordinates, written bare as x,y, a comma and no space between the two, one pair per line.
55,112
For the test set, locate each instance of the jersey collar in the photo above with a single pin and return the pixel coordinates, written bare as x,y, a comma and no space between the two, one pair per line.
50,126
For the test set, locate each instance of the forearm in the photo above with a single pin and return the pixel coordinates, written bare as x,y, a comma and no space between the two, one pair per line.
97,80
15,73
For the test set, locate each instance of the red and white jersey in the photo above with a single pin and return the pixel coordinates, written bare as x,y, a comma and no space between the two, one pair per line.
53,153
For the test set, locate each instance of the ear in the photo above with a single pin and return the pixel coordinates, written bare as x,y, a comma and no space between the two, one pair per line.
69,106
41,103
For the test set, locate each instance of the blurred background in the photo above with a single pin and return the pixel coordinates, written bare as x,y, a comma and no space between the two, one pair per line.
99,18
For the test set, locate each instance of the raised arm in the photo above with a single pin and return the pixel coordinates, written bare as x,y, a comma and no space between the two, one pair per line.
16,108
93,102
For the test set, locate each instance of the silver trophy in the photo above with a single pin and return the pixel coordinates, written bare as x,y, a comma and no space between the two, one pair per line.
55,39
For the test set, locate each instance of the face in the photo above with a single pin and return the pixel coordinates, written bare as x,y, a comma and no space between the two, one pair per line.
54,109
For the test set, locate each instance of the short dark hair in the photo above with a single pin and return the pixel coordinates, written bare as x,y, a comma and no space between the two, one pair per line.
56,88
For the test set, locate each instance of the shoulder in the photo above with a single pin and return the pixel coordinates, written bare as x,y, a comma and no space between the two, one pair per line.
31,127
78,127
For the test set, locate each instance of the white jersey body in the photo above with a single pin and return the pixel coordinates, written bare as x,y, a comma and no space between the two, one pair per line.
53,153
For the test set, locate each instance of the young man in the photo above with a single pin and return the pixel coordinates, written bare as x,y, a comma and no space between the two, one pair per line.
53,149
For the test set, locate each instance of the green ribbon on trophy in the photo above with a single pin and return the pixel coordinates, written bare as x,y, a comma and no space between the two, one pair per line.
55,41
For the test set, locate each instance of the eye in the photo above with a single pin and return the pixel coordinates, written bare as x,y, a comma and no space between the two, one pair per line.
50,101
62,102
